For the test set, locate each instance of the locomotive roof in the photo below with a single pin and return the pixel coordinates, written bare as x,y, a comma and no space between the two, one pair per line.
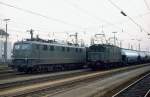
134,50
49,43
123,49
104,45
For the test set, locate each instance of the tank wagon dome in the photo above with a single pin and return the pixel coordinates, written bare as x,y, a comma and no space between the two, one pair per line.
129,52
142,53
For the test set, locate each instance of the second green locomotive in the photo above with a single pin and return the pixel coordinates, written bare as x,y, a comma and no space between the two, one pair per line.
104,56
108,56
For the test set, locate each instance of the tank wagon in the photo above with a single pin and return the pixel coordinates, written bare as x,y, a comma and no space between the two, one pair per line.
107,56
144,56
37,55
130,56
133,56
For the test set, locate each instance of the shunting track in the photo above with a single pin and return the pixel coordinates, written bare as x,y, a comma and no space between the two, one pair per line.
140,88
53,86
7,73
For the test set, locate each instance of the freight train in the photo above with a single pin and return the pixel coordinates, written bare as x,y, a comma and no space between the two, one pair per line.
37,55
108,56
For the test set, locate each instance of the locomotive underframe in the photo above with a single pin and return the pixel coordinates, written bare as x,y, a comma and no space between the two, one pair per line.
32,66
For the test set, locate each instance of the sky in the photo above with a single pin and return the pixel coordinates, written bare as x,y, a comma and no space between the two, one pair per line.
57,19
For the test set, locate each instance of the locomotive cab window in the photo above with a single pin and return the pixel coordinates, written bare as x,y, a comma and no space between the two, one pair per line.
98,48
17,46
24,46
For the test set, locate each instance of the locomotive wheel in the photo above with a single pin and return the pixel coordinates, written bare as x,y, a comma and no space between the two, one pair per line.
50,68
98,65
37,69
20,69
58,67
29,70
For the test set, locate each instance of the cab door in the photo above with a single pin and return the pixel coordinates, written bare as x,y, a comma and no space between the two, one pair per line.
36,53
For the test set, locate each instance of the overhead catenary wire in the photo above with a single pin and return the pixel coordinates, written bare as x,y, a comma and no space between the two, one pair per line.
25,31
76,6
20,32
93,16
146,4
41,15
25,25
35,28
115,5
87,12
124,14
137,16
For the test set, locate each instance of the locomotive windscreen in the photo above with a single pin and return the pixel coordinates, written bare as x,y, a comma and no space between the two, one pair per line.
98,48
22,46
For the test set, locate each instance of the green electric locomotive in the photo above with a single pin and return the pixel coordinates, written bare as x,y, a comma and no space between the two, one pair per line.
104,56
36,55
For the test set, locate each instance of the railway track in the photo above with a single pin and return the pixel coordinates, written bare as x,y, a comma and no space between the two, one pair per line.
98,87
55,86
26,79
16,79
6,72
8,75
4,66
5,69
140,88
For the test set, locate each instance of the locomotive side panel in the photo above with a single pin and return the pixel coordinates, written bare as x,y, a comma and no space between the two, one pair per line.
62,54
46,56
104,56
